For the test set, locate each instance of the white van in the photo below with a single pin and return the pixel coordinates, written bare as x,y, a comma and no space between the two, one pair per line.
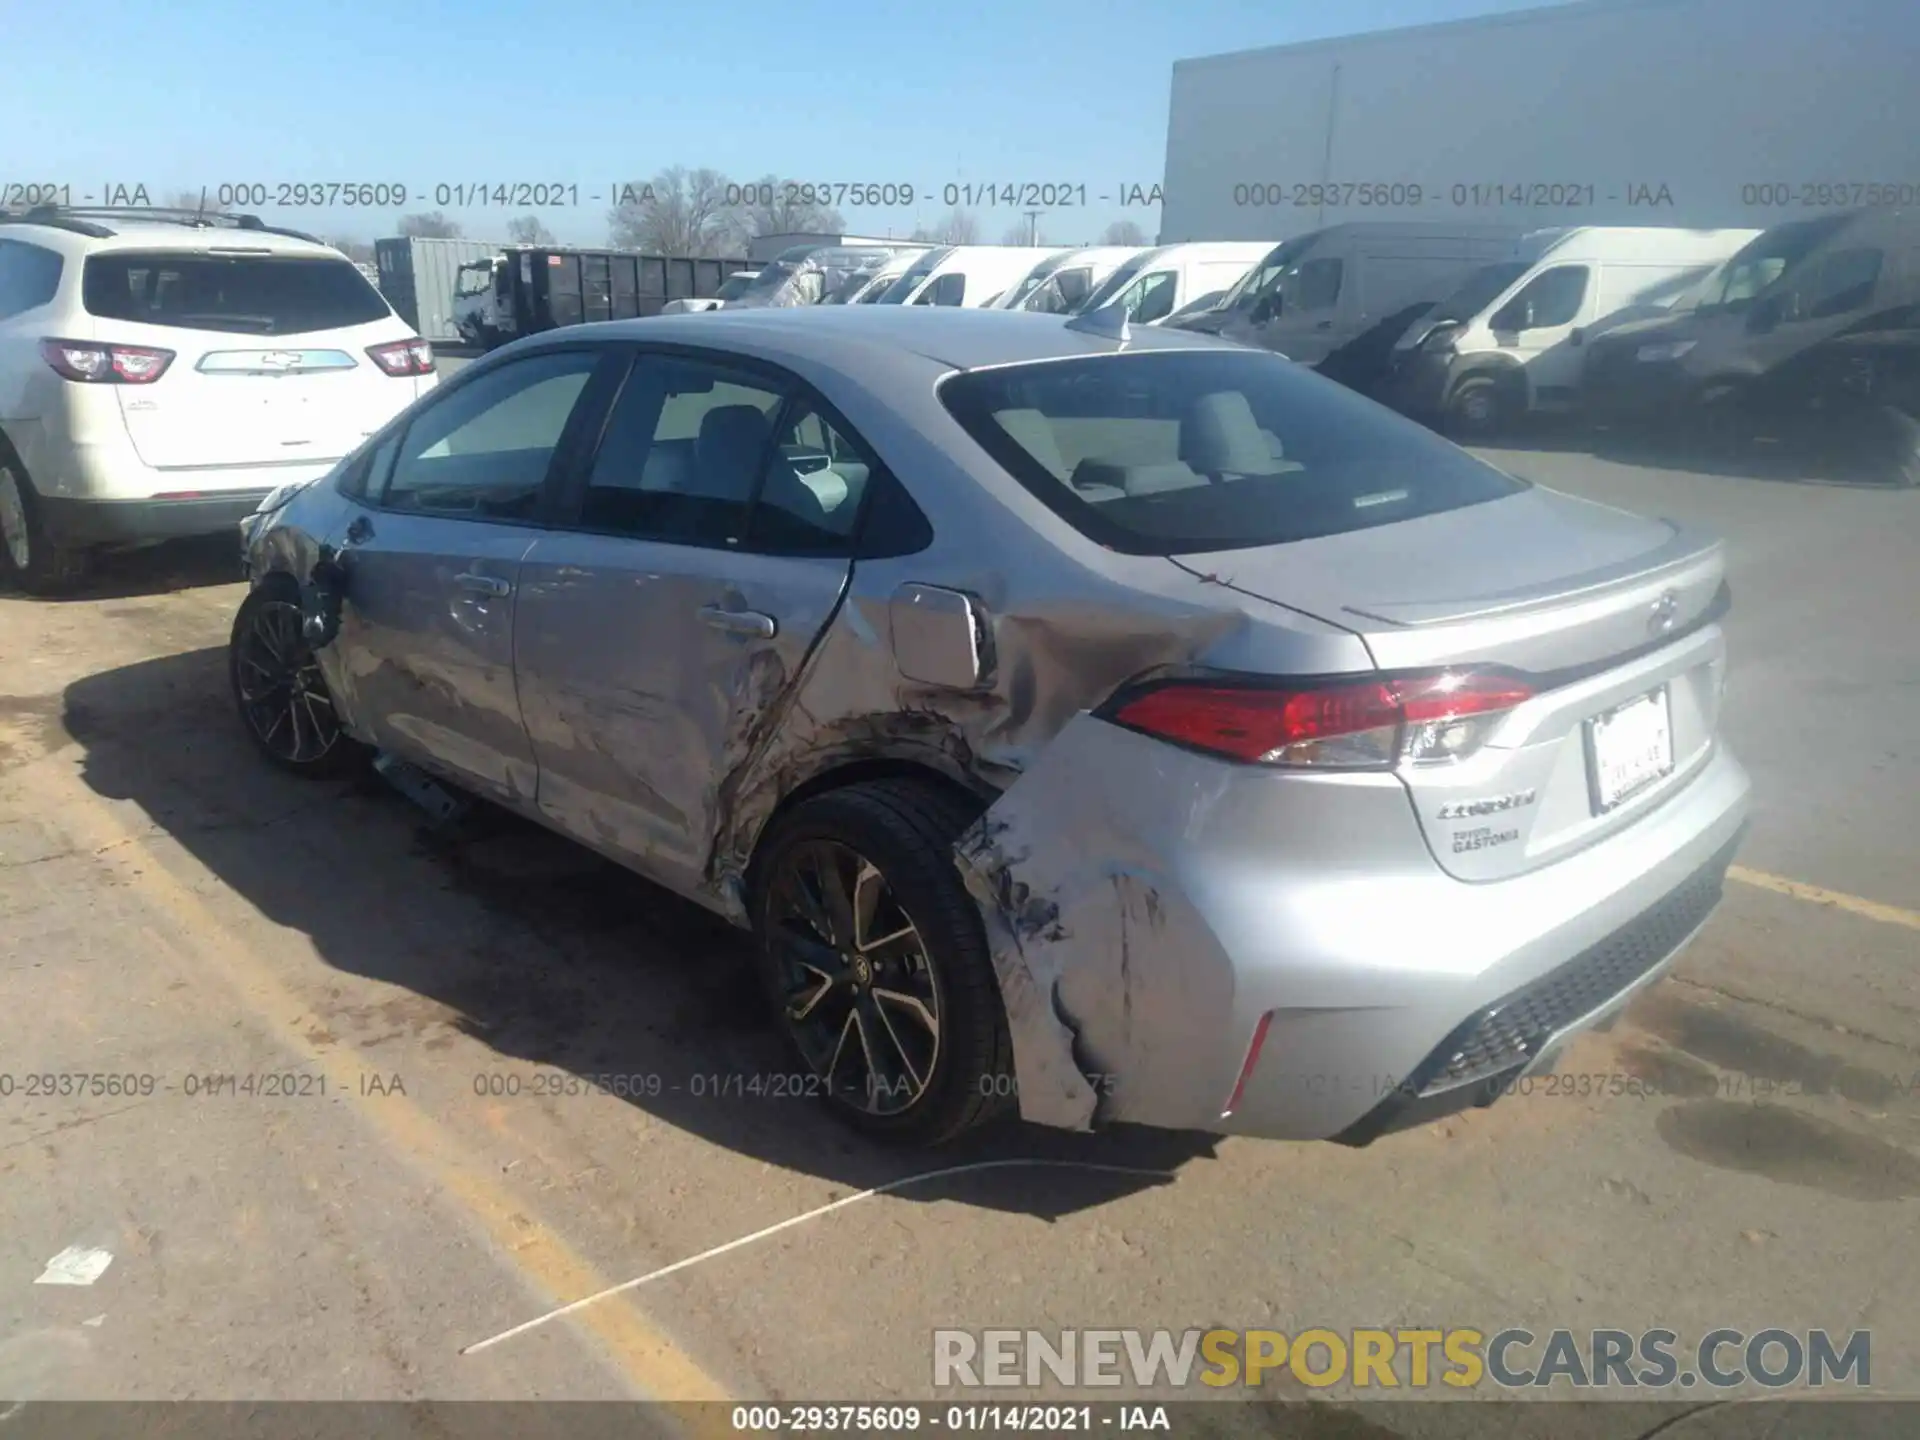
1322,290
873,285
1157,282
964,275
1058,284
1511,338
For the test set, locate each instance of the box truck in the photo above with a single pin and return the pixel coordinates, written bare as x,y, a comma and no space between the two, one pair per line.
1708,114
417,274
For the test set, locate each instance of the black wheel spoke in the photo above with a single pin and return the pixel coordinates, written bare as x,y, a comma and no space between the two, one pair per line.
281,689
858,984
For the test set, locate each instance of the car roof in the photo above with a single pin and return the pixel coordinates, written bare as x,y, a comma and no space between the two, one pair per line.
64,234
852,336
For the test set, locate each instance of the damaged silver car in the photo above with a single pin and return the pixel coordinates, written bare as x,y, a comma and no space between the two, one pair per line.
1093,725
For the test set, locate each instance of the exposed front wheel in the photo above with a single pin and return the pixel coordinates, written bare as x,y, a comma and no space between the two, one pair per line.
282,697
29,557
1480,406
876,961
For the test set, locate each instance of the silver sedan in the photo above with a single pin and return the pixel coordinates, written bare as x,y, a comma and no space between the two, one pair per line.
1089,725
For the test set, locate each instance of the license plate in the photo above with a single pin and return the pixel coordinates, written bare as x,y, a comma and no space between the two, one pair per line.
1628,749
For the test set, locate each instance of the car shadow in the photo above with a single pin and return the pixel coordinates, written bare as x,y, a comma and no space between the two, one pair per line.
1864,457
543,951
174,565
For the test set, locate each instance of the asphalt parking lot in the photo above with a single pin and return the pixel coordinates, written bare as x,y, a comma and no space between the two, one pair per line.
418,1170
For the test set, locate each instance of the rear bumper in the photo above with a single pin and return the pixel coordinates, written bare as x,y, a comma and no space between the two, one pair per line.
109,522
1146,929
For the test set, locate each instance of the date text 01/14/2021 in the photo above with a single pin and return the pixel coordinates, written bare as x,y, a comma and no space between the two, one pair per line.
1493,195
195,1085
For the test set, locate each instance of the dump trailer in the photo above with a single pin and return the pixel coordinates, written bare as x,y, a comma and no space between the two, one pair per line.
526,289
1708,114
417,275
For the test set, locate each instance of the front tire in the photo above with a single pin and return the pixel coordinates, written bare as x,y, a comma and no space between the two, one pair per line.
278,689
30,558
1480,407
876,962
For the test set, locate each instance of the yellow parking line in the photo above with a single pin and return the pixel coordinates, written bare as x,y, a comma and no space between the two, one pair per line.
648,1358
1838,899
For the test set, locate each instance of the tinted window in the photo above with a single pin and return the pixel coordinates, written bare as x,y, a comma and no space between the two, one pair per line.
682,452
1151,296
482,452
368,475
816,478
1103,295
1164,453
1315,285
1552,297
28,276
247,294
949,289
1840,283
1479,290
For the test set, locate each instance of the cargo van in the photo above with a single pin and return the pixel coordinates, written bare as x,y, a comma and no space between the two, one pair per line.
1157,282
1320,291
1812,314
811,274
871,285
1511,338
964,275
1061,281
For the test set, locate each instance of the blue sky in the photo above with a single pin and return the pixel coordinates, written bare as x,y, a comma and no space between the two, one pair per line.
430,92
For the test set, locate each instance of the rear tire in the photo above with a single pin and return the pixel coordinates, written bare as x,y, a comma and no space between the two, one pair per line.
30,558
278,689
902,1031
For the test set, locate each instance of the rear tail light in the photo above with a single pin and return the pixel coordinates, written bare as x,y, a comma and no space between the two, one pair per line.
1372,724
91,363
403,357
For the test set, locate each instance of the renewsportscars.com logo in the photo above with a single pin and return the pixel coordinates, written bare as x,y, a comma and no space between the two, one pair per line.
1459,1358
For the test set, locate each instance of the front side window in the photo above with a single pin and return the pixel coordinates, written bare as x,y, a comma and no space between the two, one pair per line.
1174,452
473,280
245,294
948,289
1840,283
1313,285
482,452
1151,297
682,452
1553,297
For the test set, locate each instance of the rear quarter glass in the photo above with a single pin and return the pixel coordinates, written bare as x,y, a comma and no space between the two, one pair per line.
1171,453
238,294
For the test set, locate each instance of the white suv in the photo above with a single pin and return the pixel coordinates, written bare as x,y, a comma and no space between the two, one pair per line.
161,372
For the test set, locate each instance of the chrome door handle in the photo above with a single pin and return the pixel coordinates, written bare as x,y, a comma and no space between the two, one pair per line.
484,585
740,622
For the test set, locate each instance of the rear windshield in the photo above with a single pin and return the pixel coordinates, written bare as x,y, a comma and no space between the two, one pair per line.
246,294
1170,452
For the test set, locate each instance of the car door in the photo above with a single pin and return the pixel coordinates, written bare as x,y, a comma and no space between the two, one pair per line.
1306,299
451,502
1812,304
706,546
1536,327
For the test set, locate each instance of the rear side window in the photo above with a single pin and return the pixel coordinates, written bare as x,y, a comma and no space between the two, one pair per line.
1164,453
29,276
246,294
948,289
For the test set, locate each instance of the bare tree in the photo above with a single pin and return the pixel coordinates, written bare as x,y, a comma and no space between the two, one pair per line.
529,230
430,225
956,227
1123,232
775,206
191,200
678,212
1021,235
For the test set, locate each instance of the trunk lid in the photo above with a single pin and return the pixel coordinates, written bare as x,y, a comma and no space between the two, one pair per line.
1599,609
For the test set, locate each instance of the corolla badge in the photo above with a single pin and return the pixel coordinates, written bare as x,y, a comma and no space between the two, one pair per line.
1664,614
